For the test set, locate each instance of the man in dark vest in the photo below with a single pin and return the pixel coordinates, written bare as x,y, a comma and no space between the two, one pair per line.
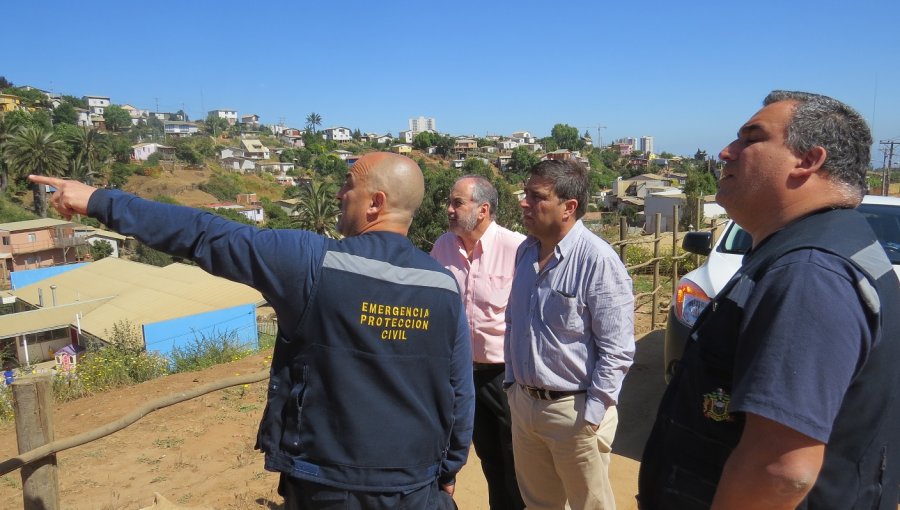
370,400
788,393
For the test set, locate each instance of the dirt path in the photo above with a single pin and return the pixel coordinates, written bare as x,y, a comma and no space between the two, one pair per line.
200,453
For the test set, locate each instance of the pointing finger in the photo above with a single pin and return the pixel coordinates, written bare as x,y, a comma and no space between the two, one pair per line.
43,179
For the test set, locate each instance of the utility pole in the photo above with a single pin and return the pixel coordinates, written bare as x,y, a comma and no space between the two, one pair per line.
888,162
600,136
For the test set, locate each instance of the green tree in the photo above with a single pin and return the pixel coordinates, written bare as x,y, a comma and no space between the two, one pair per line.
36,150
88,156
566,137
425,140
313,120
318,209
101,249
65,114
699,183
216,125
116,118
700,155
521,160
430,220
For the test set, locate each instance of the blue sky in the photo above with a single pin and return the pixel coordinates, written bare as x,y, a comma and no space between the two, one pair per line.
686,73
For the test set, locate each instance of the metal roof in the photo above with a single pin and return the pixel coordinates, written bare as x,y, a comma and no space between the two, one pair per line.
18,226
139,293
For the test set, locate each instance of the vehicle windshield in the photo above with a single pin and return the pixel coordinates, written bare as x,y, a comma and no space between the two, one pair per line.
884,220
737,241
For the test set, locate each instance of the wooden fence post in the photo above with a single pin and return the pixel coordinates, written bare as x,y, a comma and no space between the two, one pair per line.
623,233
656,240
33,405
674,250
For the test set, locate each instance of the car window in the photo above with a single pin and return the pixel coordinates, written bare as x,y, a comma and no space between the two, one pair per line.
737,241
885,221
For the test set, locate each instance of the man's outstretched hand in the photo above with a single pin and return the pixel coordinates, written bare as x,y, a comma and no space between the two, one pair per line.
71,197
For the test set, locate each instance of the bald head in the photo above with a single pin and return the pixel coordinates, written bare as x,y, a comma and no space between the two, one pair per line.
398,177
390,187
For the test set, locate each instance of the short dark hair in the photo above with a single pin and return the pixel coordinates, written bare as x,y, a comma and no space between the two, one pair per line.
820,121
569,178
483,192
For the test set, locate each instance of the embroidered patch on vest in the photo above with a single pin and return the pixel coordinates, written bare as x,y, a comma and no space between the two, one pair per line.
715,406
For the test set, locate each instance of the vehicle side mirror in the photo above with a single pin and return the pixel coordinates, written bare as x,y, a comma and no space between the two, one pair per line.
697,242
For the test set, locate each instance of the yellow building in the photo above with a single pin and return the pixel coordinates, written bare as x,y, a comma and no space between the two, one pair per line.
401,148
9,102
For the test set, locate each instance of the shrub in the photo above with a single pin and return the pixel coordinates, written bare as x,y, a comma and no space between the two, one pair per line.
204,352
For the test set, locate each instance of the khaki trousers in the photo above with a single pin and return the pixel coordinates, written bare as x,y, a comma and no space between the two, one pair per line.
560,462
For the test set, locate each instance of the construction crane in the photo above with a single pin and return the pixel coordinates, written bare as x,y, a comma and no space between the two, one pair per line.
599,135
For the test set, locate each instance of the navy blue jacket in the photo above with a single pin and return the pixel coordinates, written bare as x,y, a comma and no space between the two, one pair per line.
371,383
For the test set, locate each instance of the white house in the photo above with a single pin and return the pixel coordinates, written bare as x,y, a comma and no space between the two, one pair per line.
239,164
142,151
97,104
664,202
275,167
230,115
231,152
406,136
522,137
251,212
179,128
250,120
337,134
507,145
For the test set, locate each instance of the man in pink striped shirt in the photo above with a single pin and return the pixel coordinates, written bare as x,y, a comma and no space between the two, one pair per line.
481,255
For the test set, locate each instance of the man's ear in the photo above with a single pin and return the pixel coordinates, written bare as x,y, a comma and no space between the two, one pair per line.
811,161
376,203
571,206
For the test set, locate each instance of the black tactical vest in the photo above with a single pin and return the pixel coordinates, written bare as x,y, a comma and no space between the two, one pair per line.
694,433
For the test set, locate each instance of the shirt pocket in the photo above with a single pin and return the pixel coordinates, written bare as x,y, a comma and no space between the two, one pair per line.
564,313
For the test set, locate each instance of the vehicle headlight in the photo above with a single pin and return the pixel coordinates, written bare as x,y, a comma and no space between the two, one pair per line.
690,300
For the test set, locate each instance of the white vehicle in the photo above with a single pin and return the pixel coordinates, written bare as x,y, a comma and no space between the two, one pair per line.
697,288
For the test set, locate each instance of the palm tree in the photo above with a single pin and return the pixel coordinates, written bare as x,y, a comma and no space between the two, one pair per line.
313,120
36,150
318,210
85,163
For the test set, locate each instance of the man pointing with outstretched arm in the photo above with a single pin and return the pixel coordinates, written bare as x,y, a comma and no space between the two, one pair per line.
365,407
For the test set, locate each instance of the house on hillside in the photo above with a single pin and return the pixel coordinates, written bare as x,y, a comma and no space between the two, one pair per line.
642,185
97,104
254,149
406,136
401,148
507,145
337,134
142,151
93,235
230,115
250,120
275,167
9,103
179,128
136,114
239,164
522,137
252,212
665,202
291,137
33,244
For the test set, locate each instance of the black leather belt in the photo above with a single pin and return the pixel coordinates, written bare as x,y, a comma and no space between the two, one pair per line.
487,366
542,394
